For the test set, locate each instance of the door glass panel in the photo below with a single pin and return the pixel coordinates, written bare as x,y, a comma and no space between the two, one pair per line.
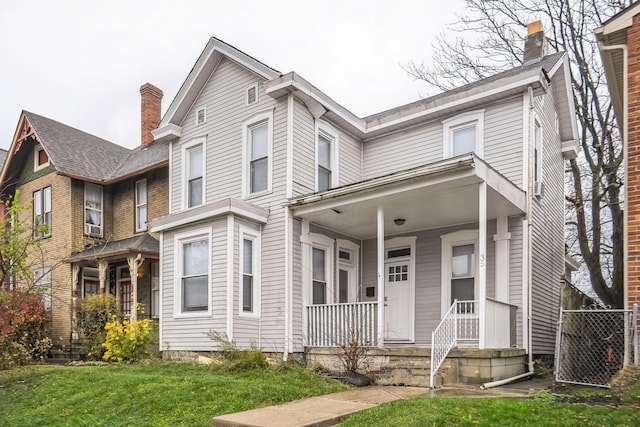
343,286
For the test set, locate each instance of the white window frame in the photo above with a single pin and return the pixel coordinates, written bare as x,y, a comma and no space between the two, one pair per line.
42,283
330,133
185,167
41,195
538,146
140,205
327,244
36,154
155,306
87,226
204,115
247,125
351,266
457,238
179,241
469,118
246,97
253,235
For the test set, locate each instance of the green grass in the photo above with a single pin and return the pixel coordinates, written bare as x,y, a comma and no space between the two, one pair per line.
492,412
157,394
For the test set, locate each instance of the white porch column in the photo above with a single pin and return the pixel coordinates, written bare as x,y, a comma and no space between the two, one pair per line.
501,239
103,265
75,270
134,263
380,237
482,259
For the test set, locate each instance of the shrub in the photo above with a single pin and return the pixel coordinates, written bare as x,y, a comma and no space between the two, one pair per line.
625,385
127,341
235,359
94,312
24,328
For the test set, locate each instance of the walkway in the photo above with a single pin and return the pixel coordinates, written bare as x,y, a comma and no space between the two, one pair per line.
330,409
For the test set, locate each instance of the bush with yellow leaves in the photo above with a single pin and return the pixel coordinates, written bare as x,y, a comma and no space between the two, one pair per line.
129,341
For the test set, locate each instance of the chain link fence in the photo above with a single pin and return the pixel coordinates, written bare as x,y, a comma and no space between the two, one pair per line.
591,343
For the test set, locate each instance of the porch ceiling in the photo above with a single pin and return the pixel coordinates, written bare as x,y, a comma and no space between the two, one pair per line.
426,201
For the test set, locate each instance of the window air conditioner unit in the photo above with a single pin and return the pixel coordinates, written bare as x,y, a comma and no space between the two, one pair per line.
92,230
538,188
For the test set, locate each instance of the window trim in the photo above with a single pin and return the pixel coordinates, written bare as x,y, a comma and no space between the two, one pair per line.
448,241
459,121
38,283
88,233
328,132
352,266
253,121
139,205
204,118
327,244
253,86
43,203
253,235
189,145
179,240
36,154
537,167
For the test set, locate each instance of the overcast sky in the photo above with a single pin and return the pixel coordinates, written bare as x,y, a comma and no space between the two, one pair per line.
82,62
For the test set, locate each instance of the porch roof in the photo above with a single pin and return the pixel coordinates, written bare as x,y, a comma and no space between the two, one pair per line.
434,195
143,244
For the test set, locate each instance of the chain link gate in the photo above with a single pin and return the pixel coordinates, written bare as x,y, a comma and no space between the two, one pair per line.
590,346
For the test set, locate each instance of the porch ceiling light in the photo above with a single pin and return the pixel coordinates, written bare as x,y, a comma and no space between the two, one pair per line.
399,221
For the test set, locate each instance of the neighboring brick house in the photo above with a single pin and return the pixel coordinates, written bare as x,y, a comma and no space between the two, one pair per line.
95,198
619,40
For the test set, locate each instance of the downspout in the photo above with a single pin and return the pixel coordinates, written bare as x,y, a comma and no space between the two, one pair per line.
288,254
625,156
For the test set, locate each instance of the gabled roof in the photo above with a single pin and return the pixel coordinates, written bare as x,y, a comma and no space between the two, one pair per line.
143,244
80,155
551,71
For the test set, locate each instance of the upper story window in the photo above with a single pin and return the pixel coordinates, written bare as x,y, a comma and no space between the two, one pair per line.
326,157
201,115
193,261
257,153
252,94
93,209
141,205
250,270
40,158
42,213
463,134
193,155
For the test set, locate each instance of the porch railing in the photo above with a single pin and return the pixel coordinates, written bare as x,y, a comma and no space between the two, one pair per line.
459,325
338,325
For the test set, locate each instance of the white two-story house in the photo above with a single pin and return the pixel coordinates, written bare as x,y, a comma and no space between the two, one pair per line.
295,225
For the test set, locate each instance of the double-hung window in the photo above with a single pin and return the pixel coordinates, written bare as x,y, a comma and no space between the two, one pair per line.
250,273
193,155
42,213
459,265
193,266
322,264
319,276
463,134
42,283
141,205
326,157
257,153
93,209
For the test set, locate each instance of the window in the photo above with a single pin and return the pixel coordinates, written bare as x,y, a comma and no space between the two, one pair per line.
42,282
322,253
90,281
193,263
250,268
193,155
141,205
458,268
92,209
464,134
347,270
40,158
201,116
319,276
537,152
257,153
252,94
42,213
155,289
326,157
462,273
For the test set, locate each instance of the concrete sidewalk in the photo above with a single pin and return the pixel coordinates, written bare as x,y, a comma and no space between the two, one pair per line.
330,409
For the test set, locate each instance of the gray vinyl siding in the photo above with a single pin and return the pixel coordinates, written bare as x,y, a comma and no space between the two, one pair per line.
547,234
516,272
503,135
350,160
303,150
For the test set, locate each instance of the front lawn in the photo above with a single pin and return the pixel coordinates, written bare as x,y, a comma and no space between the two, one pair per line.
444,411
157,394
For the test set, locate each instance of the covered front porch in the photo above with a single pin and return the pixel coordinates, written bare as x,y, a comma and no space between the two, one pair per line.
425,258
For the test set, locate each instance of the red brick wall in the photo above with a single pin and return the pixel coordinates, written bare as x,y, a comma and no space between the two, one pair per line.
151,114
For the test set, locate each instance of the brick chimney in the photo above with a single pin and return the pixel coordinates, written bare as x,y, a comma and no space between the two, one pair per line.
535,45
151,114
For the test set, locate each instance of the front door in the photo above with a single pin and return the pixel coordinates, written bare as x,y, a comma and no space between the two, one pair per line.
397,297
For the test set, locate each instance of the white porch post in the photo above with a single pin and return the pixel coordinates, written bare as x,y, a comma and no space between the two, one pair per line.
482,259
134,263
75,270
380,236
102,275
501,239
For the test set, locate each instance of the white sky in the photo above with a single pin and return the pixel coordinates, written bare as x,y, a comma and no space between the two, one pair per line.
82,62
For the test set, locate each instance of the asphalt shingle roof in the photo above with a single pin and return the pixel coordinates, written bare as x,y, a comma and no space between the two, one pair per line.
144,243
3,157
